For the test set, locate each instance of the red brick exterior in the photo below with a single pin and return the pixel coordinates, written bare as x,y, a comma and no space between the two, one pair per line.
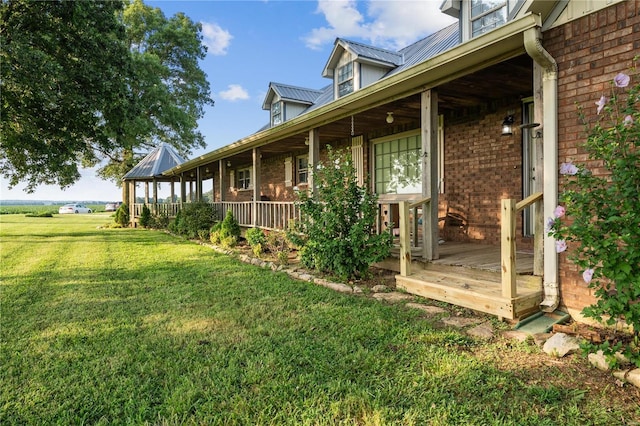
589,51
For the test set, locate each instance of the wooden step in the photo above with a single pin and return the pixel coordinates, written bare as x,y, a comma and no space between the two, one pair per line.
473,289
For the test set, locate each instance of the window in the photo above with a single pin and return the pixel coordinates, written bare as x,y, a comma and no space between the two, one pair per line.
345,79
487,15
276,113
302,169
398,166
244,179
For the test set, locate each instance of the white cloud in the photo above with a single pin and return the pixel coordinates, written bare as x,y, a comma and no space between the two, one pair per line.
393,24
215,38
235,92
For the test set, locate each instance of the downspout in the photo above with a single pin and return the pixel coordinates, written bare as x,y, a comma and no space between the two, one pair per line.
533,46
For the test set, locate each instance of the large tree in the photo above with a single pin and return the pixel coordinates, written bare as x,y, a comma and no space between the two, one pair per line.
84,82
61,87
167,88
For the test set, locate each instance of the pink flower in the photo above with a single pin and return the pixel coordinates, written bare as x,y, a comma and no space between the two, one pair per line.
561,245
628,121
550,222
621,80
587,275
568,169
559,211
601,103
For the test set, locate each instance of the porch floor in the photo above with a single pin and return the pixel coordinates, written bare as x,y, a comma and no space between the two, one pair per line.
468,275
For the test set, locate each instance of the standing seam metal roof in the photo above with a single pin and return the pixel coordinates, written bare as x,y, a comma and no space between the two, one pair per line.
161,159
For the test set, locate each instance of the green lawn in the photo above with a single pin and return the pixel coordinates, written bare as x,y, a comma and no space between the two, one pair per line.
130,326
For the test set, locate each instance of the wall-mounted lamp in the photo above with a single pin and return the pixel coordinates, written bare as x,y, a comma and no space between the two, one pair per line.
507,125
228,163
534,134
306,141
390,117
206,170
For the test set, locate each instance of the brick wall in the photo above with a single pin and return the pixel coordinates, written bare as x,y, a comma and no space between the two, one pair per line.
481,168
590,51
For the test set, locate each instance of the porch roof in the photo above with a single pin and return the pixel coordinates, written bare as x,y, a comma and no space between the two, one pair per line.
162,158
495,47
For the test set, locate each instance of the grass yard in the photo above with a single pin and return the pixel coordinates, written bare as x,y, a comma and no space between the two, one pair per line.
130,326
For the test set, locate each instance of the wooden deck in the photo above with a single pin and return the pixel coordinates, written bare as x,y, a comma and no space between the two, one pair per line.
469,275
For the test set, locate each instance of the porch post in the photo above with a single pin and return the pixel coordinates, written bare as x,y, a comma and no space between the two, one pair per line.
173,190
429,137
183,190
255,178
222,170
198,184
132,201
538,174
314,159
155,196
146,192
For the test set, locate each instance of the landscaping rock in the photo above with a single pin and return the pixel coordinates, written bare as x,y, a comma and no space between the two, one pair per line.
431,310
342,288
541,338
483,331
560,345
307,277
629,376
599,361
380,288
460,322
357,290
520,336
392,297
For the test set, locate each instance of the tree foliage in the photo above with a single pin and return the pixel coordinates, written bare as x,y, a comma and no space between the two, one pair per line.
599,220
84,82
337,232
62,89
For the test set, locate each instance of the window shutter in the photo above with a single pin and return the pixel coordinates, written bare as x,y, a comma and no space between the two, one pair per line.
288,171
232,179
357,154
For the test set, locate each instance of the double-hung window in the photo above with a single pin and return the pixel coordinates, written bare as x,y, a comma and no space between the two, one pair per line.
398,165
345,79
302,169
276,113
487,15
244,179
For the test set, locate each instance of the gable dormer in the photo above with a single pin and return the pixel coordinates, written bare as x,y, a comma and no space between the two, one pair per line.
286,102
353,66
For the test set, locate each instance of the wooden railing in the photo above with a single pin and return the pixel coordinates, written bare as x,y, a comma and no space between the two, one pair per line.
406,235
510,208
274,215
160,209
241,211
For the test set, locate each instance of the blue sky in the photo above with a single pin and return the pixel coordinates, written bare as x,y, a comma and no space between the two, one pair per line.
252,43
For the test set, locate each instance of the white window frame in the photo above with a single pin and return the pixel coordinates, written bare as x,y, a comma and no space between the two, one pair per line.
302,171
277,111
504,4
345,79
243,179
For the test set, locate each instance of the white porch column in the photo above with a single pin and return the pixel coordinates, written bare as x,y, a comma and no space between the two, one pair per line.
155,196
314,158
255,178
429,137
146,192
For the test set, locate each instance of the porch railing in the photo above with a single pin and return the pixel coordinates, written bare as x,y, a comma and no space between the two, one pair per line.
273,215
161,209
510,208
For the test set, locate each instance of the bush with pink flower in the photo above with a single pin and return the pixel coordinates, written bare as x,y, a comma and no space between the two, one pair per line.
598,223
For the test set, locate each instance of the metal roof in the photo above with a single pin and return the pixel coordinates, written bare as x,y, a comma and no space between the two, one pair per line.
161,159
294,93
372,52
429,47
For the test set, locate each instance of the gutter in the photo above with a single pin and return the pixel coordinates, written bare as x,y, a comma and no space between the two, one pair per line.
534,48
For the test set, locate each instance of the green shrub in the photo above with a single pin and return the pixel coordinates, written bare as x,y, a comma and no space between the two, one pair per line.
121,216
145,217
192,218
160,221
604,227
256,239
337,230
229,226
214,233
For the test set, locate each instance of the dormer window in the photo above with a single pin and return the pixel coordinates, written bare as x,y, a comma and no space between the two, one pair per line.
487,15
345,79
276,113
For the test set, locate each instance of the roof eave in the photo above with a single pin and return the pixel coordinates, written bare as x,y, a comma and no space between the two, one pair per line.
493,47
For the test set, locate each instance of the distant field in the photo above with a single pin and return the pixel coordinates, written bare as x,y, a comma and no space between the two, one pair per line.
39,208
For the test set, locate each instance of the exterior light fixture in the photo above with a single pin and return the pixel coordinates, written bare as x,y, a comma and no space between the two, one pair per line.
228,163
390,117
306,141
507,125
